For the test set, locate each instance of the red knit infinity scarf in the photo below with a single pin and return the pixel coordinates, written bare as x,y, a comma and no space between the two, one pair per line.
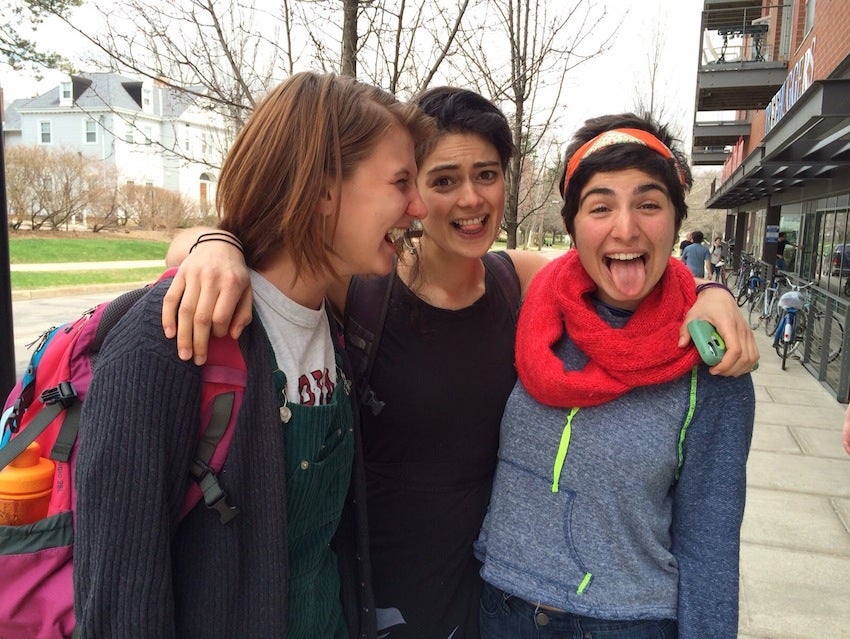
642,353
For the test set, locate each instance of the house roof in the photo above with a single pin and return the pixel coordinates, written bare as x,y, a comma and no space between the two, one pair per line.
100,90
13,115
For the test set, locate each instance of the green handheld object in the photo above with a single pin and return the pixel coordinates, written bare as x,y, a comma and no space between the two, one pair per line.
710,345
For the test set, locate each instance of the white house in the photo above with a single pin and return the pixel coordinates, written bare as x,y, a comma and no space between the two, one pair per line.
150,133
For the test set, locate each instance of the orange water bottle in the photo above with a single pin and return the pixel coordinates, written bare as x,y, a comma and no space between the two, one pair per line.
25,487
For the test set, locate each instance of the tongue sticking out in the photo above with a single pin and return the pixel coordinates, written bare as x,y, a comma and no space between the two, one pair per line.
629,276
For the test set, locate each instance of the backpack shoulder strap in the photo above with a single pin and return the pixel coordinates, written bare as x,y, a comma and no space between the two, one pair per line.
366,307
499,264
223,378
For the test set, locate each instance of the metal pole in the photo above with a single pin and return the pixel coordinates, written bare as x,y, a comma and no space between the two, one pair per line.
7,338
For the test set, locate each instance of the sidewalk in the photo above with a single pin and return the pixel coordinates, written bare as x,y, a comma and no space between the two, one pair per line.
85,266
795,553
62,291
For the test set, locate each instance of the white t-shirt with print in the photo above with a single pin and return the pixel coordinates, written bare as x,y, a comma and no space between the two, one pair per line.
302,343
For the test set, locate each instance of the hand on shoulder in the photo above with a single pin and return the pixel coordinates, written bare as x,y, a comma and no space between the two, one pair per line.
527,265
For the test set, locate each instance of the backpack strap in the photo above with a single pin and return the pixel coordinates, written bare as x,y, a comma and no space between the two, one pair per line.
55,401
500,266
223,376
366,307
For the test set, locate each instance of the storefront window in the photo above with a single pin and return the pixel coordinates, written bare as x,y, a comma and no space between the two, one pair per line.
833,217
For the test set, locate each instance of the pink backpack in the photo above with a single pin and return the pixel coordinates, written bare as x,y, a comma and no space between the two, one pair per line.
36,590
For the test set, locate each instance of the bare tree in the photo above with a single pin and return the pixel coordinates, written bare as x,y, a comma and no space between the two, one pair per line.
649,90
544,42
48,189
65,191
154,208
224,54
104,209
24,164
403,45
348,57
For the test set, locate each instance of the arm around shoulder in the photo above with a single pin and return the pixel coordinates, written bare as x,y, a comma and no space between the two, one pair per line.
527,265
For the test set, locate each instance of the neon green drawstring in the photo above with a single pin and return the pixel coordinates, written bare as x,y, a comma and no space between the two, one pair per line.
563,447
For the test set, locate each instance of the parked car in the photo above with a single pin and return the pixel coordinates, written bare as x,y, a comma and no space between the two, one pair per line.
841,259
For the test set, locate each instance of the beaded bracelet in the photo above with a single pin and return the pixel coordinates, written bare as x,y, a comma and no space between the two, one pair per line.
705,285
218,236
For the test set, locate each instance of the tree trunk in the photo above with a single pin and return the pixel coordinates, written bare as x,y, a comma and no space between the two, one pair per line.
348,62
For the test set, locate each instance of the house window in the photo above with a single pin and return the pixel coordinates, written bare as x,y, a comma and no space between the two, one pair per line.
148,134
146,99
91,131
128,136
810,16
46,133
65,89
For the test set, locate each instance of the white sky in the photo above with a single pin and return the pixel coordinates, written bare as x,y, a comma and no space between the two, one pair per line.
602,85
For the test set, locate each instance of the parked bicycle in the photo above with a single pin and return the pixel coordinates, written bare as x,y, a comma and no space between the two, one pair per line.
791,328
799,315
736,279
764,309
753,284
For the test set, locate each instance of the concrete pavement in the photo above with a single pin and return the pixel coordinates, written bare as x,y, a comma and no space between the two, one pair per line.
795,554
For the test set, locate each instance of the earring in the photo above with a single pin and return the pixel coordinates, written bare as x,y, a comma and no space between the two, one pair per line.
414,231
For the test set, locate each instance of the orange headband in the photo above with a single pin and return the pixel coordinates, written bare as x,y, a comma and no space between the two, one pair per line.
618,136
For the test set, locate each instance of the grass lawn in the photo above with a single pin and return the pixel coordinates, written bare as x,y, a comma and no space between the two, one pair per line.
30,250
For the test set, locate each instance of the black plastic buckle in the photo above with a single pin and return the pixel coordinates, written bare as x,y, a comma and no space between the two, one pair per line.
64,394
368,398
214,496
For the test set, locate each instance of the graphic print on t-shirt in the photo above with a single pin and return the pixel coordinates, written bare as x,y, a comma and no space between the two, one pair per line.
316,388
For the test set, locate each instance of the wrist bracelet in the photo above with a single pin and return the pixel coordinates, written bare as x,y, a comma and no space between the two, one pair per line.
218,236
705,285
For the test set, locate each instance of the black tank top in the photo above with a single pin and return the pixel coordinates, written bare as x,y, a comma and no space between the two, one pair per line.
430,457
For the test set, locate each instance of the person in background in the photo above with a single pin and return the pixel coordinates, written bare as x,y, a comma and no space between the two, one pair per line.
317,182
696,256
444,369
619,491
716,257
846,430
781,243
689,239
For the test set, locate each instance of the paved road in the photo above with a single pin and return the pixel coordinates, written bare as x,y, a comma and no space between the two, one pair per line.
32,317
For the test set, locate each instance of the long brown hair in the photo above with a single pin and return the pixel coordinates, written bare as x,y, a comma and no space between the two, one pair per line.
311,128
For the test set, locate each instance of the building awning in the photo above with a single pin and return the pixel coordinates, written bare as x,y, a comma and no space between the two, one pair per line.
810,142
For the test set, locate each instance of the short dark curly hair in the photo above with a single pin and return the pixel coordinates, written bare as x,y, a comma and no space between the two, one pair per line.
462,111
617,157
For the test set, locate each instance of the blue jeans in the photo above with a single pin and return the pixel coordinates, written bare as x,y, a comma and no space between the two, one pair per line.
504,616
